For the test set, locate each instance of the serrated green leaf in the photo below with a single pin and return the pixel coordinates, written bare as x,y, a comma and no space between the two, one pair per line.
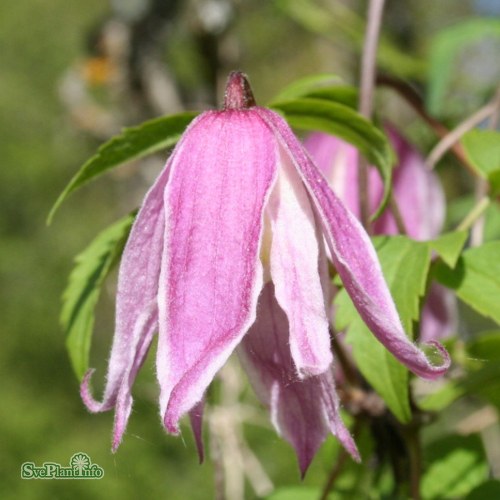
476,278
449,246
405,264
457,464
131,144
305,85
84,286
482,148
342,121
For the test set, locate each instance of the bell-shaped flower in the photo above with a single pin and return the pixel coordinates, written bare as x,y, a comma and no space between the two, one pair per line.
419,197
239,204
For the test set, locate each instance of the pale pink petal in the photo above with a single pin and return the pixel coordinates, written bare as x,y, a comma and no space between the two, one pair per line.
302,411
338,162
136,296
418,193
356,260
136,310
136,306
196,420
439,314
295,273
123,405
211,275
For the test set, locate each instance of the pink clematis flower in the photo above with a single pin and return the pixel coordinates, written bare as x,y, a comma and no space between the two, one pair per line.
227,251
420,199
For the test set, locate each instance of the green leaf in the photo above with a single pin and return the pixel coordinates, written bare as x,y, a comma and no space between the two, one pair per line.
486,346
484,351
84,286
444,51
449,246
295,493
131,144
476,278
483,382
342,121
405,264
304,86
489,489
341,94
443,397
482,148
482,378
457,465
494,181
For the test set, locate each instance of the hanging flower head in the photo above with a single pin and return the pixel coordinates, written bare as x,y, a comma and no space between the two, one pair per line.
226,251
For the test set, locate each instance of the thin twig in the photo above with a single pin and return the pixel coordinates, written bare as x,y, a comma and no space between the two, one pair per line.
368,62
474,214
454,136
339,464
334,473
415,458
348,369
396,213
368,66
413,98
477,229
219,475
481,188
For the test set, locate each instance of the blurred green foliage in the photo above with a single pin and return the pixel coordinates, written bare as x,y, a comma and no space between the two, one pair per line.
42,416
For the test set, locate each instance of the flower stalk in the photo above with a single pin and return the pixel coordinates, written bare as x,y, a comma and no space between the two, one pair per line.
367,85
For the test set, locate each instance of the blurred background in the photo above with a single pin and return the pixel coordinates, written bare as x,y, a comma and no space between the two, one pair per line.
72,74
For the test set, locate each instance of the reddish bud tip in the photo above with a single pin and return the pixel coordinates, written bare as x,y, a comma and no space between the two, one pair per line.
238,94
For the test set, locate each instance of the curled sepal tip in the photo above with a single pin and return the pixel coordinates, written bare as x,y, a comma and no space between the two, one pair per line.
433,371
121,401
88,399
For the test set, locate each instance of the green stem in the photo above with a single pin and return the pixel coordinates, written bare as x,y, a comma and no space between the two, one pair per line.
348,369
396,213
476,212
412,436
334,473
339,464
412,97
